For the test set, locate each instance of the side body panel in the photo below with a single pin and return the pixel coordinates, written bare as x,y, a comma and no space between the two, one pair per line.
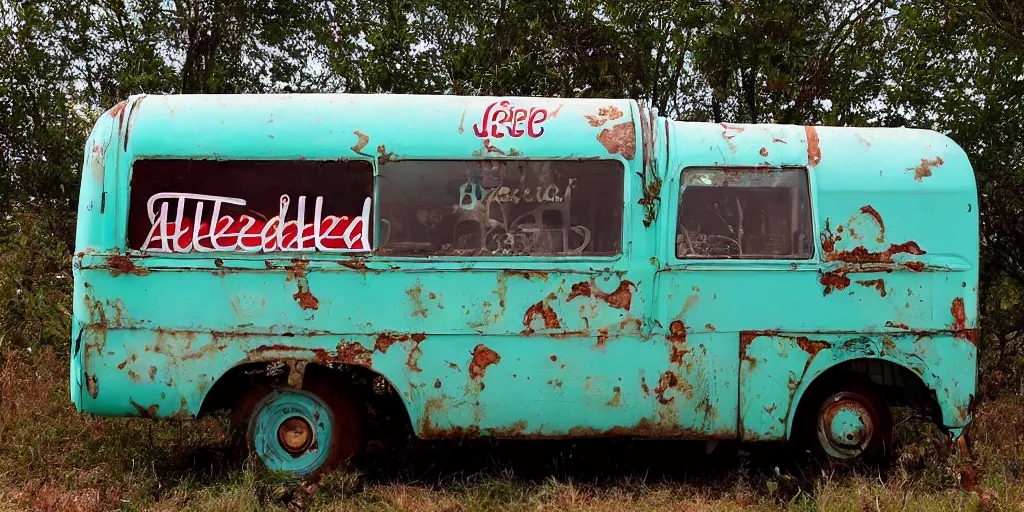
517,347
893,275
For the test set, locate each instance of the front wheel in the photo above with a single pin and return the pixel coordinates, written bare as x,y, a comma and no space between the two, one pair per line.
300,431
847,422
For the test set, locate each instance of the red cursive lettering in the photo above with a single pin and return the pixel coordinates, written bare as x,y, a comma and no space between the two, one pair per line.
247,234
501,118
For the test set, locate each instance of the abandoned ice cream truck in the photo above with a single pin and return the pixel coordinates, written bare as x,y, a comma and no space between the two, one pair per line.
519,268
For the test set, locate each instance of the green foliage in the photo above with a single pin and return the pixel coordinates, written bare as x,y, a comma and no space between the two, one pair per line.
950,65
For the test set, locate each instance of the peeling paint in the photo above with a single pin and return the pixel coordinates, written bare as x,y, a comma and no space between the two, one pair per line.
604,114
120,264
925,169
813,146
619,139
482,358
364,139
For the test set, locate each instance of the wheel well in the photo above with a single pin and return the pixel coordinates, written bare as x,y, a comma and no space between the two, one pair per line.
382,406
900,386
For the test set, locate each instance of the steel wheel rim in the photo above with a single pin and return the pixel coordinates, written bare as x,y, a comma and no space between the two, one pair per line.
846,426
274,431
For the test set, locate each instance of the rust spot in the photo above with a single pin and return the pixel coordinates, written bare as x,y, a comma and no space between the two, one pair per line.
517,429
413,361
364,139
482,358
386,339
359,265
779,141
860,255
878,284
709,327
620,139
554,358
893,325
306,299
152,373
677,335
667,381
489,148
748,337
621,298
416,297
602,339
527,274
836,280
303,296
352,353
120,264
813,148
828,240
92,385
960,329
383,156
643,385
870,211
770,409
914,266
925,169
812,347
581,289
604,114
437,384
116,110
764,152
616,400
543,310
959,314
628,323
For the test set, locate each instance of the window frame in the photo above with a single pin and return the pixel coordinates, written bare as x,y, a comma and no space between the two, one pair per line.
125,195
122,196
482,260
789,261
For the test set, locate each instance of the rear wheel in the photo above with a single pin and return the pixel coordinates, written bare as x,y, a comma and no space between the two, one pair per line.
847,421
301,431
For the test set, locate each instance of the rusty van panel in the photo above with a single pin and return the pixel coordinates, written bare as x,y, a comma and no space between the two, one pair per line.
893,271
796,359
592,322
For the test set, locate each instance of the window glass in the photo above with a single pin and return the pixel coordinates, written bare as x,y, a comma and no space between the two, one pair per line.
744,213
184,206
502,208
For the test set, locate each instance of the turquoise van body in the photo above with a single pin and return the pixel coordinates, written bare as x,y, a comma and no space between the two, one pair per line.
644,306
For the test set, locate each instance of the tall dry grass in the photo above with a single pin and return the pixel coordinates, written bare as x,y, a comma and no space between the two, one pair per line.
52,459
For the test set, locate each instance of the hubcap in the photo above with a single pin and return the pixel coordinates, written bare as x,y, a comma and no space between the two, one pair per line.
291,431
845,426
295,434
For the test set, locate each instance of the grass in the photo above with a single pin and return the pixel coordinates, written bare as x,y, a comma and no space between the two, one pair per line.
54,459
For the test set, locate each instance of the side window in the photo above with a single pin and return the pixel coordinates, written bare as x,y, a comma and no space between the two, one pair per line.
502,208
744,214
185,206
